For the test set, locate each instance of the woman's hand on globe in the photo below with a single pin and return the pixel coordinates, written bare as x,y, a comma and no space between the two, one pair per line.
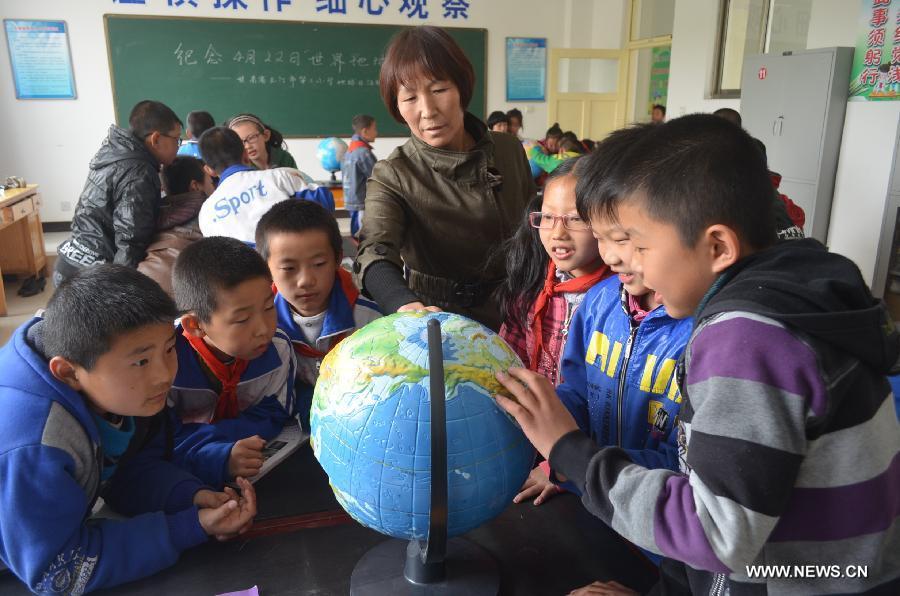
538,484
418,306
536,407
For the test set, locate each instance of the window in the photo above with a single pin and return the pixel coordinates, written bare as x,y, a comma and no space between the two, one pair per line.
750,27
651,18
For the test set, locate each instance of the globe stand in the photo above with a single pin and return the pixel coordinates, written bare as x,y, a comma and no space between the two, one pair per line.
437,566
333,181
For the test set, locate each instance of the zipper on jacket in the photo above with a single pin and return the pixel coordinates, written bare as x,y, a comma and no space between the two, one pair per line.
563,334
718,587
620,398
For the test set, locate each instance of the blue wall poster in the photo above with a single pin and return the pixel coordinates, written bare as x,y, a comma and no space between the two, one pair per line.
39,53
526,68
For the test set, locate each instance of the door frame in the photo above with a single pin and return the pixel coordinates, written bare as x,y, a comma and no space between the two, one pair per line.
619,97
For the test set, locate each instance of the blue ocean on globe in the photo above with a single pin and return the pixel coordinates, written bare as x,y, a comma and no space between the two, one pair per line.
371,431
330,152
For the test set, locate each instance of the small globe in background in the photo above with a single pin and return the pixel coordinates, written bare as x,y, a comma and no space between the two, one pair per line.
330,152
371,431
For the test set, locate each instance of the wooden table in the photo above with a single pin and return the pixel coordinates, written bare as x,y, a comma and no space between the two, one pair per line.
21,236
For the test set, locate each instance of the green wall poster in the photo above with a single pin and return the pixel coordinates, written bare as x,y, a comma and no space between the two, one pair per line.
660,58
876,62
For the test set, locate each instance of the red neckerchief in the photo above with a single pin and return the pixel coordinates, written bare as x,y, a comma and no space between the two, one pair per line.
553,286
354,145
350,291
228,374
637,311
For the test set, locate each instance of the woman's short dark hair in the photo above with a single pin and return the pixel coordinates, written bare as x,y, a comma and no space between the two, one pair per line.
428,51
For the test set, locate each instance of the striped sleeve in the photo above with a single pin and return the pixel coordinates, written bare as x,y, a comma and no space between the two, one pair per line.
751,385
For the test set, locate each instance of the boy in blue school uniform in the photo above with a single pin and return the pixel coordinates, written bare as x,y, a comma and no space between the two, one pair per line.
618,368
234,389
243,194
198,122
356,169
82,398
317,303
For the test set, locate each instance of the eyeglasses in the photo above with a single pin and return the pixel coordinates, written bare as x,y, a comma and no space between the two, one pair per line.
178,140
547,221
251,138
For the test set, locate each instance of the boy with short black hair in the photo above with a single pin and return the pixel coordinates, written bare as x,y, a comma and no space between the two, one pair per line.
317,303
234,389
788,438
82,398
245,194
198,122
115,217
356,168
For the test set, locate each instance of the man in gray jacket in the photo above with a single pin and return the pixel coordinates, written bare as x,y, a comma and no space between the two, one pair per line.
115,218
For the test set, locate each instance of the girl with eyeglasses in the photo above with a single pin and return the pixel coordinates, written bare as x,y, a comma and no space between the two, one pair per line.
551,262
264,144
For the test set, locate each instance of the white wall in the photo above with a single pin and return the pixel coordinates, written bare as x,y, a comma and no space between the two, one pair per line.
869,127
53,141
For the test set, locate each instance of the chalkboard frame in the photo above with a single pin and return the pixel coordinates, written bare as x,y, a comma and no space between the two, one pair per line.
480,81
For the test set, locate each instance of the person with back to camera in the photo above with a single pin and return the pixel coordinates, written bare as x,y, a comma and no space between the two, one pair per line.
198,122
443,203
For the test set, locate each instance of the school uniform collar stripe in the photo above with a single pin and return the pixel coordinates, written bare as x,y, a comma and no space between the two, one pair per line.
233,170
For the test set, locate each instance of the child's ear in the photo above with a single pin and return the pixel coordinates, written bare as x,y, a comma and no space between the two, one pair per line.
210,171
191,324
724,247
194,186
64,371
267,134
152,139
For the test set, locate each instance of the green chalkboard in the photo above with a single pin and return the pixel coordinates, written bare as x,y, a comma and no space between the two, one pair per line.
304,79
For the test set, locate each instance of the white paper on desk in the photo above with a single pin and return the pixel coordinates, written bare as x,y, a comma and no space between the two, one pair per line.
278,449
254,591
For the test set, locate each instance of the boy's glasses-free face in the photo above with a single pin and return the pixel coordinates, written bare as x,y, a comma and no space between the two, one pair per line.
547,221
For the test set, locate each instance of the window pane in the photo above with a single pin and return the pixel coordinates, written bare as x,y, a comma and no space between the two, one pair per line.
652,18
588,75
789,25
744,35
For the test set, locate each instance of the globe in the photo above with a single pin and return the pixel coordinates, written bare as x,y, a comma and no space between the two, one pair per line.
370,425
530,148
330,152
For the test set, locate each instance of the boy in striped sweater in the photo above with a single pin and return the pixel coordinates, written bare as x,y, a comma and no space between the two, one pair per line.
787,435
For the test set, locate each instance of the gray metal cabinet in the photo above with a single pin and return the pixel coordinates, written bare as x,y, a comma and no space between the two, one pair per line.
794,103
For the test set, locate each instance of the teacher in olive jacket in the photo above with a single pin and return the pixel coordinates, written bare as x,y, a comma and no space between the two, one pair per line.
442,204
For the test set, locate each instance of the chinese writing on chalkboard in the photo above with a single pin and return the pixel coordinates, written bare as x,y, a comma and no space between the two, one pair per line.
413,9
300,67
